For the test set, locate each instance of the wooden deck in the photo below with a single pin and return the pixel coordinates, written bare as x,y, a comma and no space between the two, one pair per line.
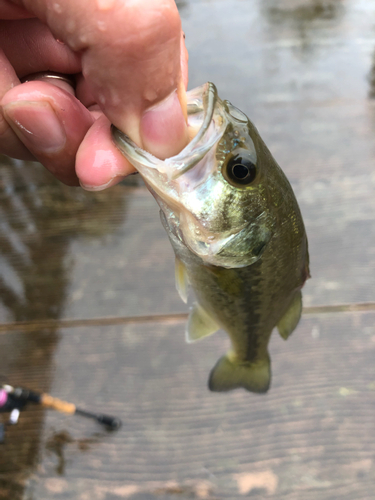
89,312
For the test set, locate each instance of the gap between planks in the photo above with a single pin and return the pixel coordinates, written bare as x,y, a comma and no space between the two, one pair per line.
157,318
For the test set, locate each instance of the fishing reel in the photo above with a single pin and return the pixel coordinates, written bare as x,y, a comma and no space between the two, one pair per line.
12,404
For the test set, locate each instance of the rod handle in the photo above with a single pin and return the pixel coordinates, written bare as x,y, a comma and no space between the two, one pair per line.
57,404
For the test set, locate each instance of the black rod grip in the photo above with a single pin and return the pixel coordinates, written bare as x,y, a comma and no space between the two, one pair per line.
112,422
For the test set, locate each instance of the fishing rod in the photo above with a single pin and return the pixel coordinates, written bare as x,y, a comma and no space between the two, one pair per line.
13,399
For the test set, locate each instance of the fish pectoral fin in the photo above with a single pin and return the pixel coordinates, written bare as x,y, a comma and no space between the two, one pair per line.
230,373
182,281
292,316
200,324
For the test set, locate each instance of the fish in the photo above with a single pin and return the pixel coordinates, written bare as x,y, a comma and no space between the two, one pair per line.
237,232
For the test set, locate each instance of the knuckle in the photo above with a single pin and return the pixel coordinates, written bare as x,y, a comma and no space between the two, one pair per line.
148,24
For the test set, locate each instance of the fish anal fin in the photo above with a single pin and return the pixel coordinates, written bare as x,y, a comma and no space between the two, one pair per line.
182,282
200,324
292,316
230,373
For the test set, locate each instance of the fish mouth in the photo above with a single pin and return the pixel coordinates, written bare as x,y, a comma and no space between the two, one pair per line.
204,108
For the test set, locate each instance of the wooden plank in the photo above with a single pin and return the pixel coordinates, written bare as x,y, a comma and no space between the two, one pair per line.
69,254
108,255
280,50
311,434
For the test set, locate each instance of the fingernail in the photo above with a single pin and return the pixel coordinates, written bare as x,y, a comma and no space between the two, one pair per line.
163,128
37,125
112,182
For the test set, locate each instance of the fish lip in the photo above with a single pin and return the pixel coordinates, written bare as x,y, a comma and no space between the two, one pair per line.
197,148
198,143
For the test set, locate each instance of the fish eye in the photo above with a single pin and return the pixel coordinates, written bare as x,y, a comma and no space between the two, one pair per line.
240,170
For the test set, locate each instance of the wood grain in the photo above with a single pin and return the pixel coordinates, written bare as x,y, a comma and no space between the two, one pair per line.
114,258
309,434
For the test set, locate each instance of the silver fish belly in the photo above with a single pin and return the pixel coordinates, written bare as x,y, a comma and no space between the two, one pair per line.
237,233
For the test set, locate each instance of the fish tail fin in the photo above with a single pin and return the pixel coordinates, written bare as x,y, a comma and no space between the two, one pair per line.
229,373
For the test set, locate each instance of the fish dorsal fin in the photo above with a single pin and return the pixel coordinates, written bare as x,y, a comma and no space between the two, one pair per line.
230,373
182,281
291,318
200,324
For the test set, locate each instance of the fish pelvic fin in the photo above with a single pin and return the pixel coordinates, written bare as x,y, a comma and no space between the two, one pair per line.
229,373
182,281
200,324
292,316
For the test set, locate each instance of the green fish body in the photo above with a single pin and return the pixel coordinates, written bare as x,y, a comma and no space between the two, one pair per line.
237,233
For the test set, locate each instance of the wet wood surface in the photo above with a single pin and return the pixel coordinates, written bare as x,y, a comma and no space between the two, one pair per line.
89,312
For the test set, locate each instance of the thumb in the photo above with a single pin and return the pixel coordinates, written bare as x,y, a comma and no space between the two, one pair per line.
163,128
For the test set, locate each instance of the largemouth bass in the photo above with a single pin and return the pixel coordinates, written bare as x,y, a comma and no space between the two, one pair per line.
237,232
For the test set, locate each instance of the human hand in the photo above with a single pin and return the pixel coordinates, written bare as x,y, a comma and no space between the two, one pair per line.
128,57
